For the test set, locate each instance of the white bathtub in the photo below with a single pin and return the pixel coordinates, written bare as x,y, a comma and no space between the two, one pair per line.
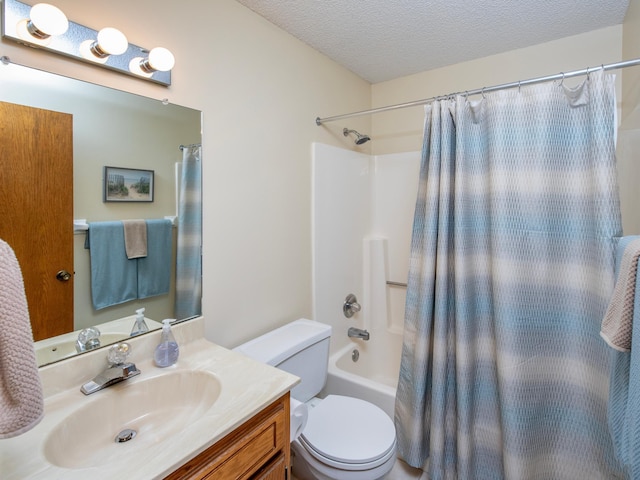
374,377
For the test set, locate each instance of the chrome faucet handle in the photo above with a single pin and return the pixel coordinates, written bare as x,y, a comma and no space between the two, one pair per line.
351,306
88,339
118,353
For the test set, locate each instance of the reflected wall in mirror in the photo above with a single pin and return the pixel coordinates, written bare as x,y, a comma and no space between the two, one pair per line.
109,128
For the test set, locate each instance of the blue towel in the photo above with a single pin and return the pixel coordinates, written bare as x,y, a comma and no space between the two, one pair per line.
624,390
154,270
114,278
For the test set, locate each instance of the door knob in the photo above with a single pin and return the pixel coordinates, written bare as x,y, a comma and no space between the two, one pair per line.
63,276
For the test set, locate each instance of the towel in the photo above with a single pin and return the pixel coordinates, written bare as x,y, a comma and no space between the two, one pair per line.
135,238
154,271
21,397
624,387
114,278
618,321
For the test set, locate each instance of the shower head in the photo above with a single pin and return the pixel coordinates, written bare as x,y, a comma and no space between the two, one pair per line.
360,139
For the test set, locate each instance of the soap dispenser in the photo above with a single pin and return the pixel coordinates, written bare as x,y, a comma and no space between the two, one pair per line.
140,326
167,351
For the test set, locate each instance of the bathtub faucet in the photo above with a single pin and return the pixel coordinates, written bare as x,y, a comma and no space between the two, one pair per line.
358,333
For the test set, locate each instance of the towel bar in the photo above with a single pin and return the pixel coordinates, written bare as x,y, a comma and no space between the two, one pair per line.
396,284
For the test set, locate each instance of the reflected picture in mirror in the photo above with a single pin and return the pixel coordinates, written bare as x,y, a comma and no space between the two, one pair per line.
73,129
127,185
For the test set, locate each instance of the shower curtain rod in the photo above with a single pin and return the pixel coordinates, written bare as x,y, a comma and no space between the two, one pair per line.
531,81
182,147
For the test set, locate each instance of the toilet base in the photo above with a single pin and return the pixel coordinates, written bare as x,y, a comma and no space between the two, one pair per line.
305,467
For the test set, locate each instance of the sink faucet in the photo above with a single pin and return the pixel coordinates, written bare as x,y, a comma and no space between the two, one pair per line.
119,370
88,339
358,333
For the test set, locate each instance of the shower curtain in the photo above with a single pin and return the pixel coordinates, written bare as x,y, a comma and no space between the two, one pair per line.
189,256
503,374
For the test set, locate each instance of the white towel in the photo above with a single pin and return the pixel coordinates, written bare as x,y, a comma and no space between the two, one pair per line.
21,397
135,238
617,324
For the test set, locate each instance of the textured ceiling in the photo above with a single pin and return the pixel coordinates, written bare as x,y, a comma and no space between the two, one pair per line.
384,39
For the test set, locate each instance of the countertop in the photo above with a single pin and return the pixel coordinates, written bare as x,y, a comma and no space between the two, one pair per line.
246,388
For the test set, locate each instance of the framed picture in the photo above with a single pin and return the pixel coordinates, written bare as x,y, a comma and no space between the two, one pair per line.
127,185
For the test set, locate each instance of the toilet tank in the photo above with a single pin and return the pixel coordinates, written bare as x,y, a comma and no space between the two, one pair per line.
301,348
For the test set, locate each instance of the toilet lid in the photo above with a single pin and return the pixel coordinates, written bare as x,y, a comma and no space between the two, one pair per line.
349,430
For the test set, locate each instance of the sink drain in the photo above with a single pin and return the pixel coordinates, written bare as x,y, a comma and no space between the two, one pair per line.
125,435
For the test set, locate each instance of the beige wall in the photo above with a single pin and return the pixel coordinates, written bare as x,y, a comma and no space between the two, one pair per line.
401,130
629,133
260,90
631,76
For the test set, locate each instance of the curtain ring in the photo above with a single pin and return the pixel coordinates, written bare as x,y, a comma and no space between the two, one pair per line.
518,86
483,93
466,95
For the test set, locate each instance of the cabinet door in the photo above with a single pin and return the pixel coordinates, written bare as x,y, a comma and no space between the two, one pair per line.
258,449
274,470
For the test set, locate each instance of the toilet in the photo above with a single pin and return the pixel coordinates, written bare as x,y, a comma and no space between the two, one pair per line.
344,438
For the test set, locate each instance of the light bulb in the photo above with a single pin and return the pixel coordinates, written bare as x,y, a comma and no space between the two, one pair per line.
111,41
160,60
135,67
46,20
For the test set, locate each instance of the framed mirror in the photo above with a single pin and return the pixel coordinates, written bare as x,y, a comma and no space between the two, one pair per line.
108,128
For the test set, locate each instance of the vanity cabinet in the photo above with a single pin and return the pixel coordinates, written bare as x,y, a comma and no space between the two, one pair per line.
256,450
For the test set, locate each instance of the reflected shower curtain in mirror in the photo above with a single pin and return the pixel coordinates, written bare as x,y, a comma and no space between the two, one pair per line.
503,374
189,257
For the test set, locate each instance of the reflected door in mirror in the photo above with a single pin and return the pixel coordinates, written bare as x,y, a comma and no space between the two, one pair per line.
36,210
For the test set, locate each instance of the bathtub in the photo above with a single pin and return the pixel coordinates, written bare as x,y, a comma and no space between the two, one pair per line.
374,376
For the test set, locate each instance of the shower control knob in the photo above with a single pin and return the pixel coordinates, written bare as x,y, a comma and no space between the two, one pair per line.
351,306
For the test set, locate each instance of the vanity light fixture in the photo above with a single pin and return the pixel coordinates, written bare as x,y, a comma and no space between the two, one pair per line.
45,26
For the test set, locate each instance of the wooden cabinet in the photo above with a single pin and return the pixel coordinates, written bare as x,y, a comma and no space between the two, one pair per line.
257,450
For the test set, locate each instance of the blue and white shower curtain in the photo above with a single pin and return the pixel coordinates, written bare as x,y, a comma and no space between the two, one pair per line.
189,256
503,372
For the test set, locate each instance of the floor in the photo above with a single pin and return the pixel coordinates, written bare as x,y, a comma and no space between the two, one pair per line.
400,471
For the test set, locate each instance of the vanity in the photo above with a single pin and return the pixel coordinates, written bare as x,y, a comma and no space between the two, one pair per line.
216,414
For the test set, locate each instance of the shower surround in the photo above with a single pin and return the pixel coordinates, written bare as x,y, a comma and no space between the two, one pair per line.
362,215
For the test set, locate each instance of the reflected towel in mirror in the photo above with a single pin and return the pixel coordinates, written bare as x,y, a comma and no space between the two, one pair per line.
154,270
114,278
135,238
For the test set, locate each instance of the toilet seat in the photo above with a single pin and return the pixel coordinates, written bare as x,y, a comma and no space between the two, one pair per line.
349,434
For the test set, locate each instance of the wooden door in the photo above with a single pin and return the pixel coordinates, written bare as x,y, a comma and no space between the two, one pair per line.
36,209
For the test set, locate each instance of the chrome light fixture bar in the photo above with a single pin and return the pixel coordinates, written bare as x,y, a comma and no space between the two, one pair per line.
46,27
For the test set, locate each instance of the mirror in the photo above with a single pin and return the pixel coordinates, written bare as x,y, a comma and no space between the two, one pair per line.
116,129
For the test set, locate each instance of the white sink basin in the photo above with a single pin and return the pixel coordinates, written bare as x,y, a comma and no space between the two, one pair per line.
57,351
157,409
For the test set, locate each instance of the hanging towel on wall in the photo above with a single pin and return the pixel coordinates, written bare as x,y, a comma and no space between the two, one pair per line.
135,238
114,278
618,321
21,398
624,386
154,271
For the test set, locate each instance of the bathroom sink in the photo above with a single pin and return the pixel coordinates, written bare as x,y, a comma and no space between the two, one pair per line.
57,351
157,409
